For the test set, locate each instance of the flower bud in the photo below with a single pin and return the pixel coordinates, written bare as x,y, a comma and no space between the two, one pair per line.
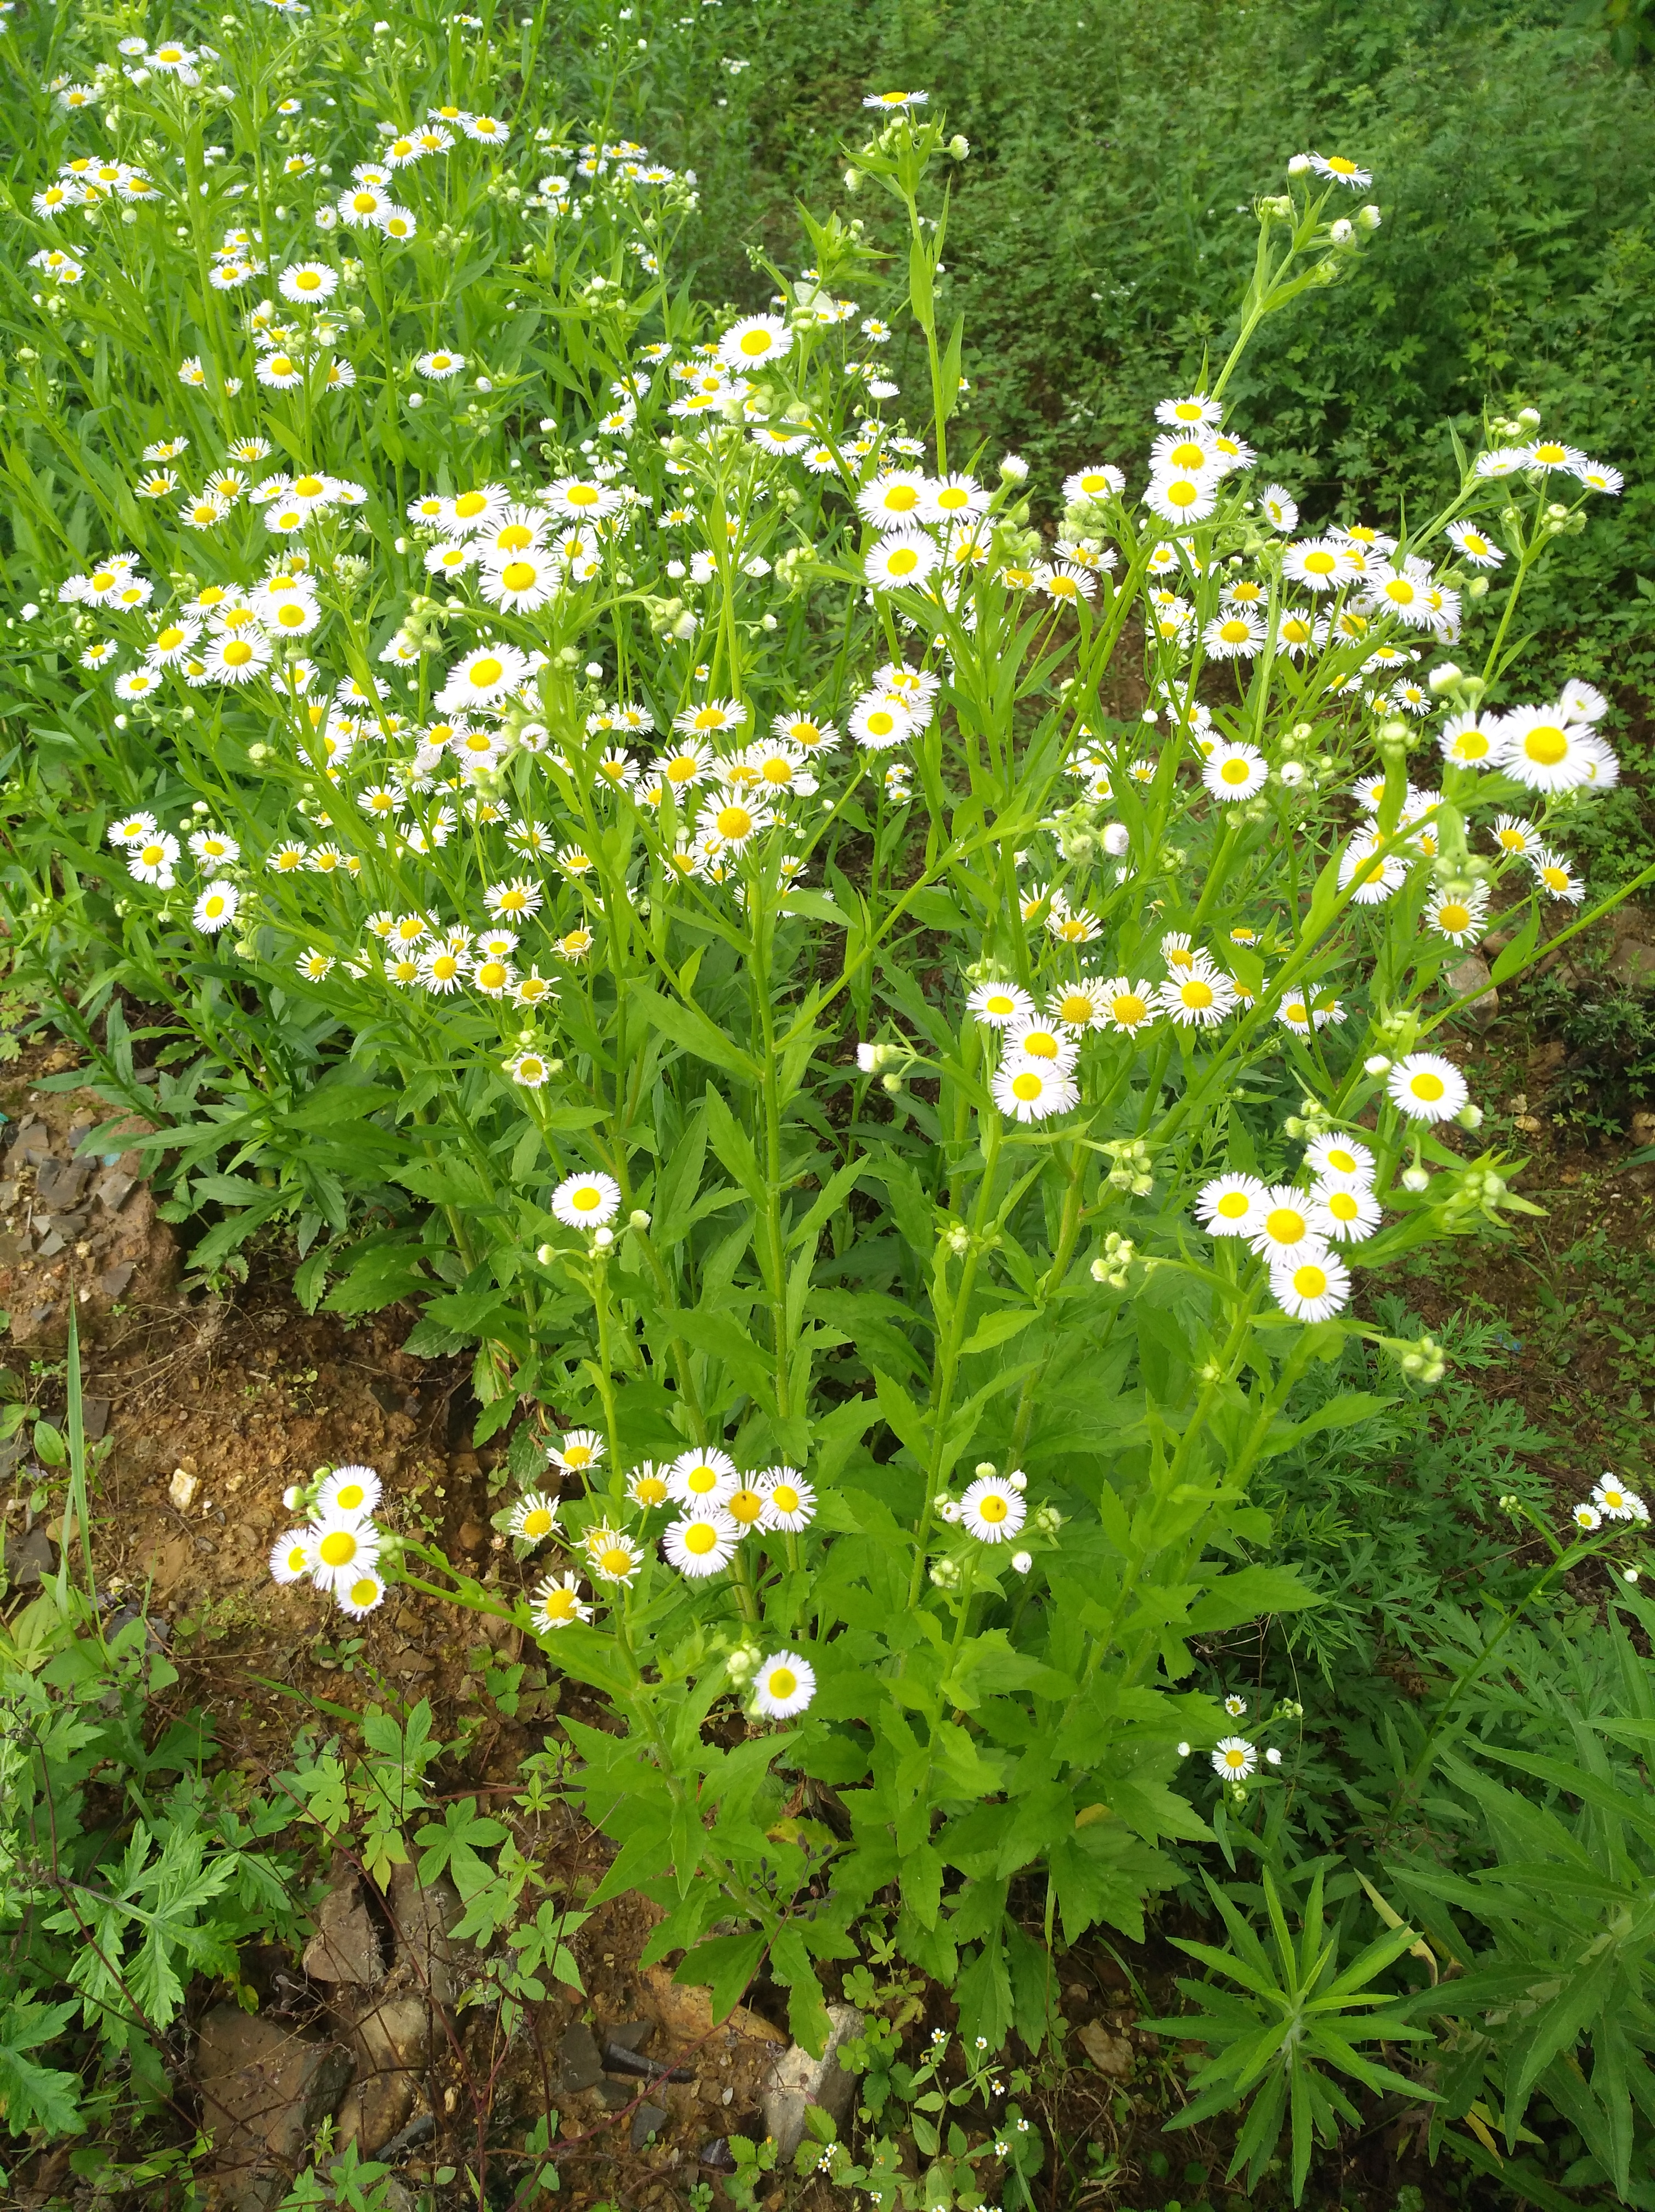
1017,1479
853,180
1529,419
602,1239
944,1574
1478,587
1469,1115
1342,232
1368,217
545,1253
1442,677
1416,1180
637,1219
959,146
1376,1064
1022,1561
1299,166
1013,469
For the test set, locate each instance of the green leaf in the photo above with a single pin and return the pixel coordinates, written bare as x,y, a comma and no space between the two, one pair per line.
684,1022
998,1329
1246,1595
723,1966
32,2095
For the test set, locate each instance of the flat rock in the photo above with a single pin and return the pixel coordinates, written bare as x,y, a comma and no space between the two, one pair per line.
799,2080
265,2091
422,1914
346,1945
1111,2054
648,2120
390,2039
580,2062
30,1560
1471,973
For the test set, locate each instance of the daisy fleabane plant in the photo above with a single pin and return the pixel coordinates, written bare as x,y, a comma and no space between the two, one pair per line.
616,815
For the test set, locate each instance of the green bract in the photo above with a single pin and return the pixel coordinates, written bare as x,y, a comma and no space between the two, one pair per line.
895,1036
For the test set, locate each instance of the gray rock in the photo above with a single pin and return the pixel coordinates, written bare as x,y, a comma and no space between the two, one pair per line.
1470,973
391,2043
346,1945
1632,962
580,2062
263,2093
797,2079
421,1915
648,2120
30,1559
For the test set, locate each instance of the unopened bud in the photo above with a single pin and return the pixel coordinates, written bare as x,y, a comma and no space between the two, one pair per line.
637,1219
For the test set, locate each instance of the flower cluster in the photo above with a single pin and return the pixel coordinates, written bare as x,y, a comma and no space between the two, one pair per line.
339,1548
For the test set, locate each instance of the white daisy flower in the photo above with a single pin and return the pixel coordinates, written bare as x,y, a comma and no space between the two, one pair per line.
703,1543
586,1201
1231,1206
1234,1758
1426,1087
993,1509
558,1602
784,1685
576,1450
702,1478
789,1500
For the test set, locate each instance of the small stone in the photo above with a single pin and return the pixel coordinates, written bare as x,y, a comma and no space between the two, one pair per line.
580,2062
646,2122
1471,973
471,1536
346,1945
421,1913
1109,2054
30,1560
632,2034
263,2093
182,1489
797,2080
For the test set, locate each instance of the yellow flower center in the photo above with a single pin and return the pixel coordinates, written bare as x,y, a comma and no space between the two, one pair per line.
295,1560
734,822
1426,1085
991,1508
1183,494
364,1592
337,1549
1233,771
700,1537
782,1682
487,670
1129,1008
238,653
491,975
350,1497
1342,1206
1027,1086
1309,1281
583,495
1454,917
538,1522
1545,744
615,1559
785,1498
1076,1007
1233,1205
1196,992
1284,1225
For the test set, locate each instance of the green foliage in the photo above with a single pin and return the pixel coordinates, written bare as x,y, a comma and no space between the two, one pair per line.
1092,230
1531,1875
125,1871
1296,2023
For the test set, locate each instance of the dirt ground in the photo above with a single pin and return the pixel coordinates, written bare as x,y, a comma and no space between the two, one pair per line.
206,1409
